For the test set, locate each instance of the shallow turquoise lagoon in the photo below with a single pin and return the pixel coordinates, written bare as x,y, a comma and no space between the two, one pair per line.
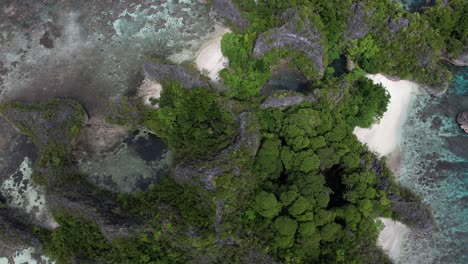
435,166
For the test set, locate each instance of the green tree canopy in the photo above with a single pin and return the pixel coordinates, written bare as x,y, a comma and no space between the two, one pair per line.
266,204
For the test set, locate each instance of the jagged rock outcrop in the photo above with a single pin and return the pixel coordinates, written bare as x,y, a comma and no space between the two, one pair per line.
284,100
460,60
297,33
15,233
83,200
409,209
350,66
462,120
226,12
53,127
246,144
54,122
187,77
337,94
433,90
358,24
437,90
414,214
396,24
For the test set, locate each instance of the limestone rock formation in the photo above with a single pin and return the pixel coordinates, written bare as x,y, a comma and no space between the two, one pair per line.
186,76
221,163
358,24
54,122
397,24
297,33
460,60
409,209
227,13
284,100
462,120
415,214
15,233
436,90
52,126
350,65
81,199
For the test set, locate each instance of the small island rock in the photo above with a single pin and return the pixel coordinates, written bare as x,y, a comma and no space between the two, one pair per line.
462,120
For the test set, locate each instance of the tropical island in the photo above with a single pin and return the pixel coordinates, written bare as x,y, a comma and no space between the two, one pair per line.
267,146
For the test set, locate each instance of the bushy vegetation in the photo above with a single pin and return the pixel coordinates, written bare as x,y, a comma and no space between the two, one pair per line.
75,238
245,73
450,21
193,122
80,241
316,190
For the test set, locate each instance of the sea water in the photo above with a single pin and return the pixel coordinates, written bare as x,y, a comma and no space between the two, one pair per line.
435,166
415,5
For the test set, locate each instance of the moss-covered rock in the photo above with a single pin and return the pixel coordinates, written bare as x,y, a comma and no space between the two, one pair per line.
187,76
78,198
358,24
228,161
52,126
300,32
284,99
226,12
15,232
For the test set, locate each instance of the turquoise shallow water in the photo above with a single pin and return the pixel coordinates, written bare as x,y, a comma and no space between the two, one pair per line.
415,5
435,166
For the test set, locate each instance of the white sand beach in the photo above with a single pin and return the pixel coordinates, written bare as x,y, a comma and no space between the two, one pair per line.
384,137
392,237
149,90
209,58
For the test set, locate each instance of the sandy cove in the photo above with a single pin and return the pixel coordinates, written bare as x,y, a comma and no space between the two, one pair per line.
383,138
209,58
392,237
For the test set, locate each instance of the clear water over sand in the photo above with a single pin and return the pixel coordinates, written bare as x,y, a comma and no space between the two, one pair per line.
435,166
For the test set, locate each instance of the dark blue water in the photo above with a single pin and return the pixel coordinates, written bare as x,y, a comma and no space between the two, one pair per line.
435,166
286,80
339,65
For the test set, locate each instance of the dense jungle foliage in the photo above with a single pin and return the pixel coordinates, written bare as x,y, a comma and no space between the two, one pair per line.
309,194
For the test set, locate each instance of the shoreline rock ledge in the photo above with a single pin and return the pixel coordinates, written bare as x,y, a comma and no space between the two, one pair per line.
462,120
